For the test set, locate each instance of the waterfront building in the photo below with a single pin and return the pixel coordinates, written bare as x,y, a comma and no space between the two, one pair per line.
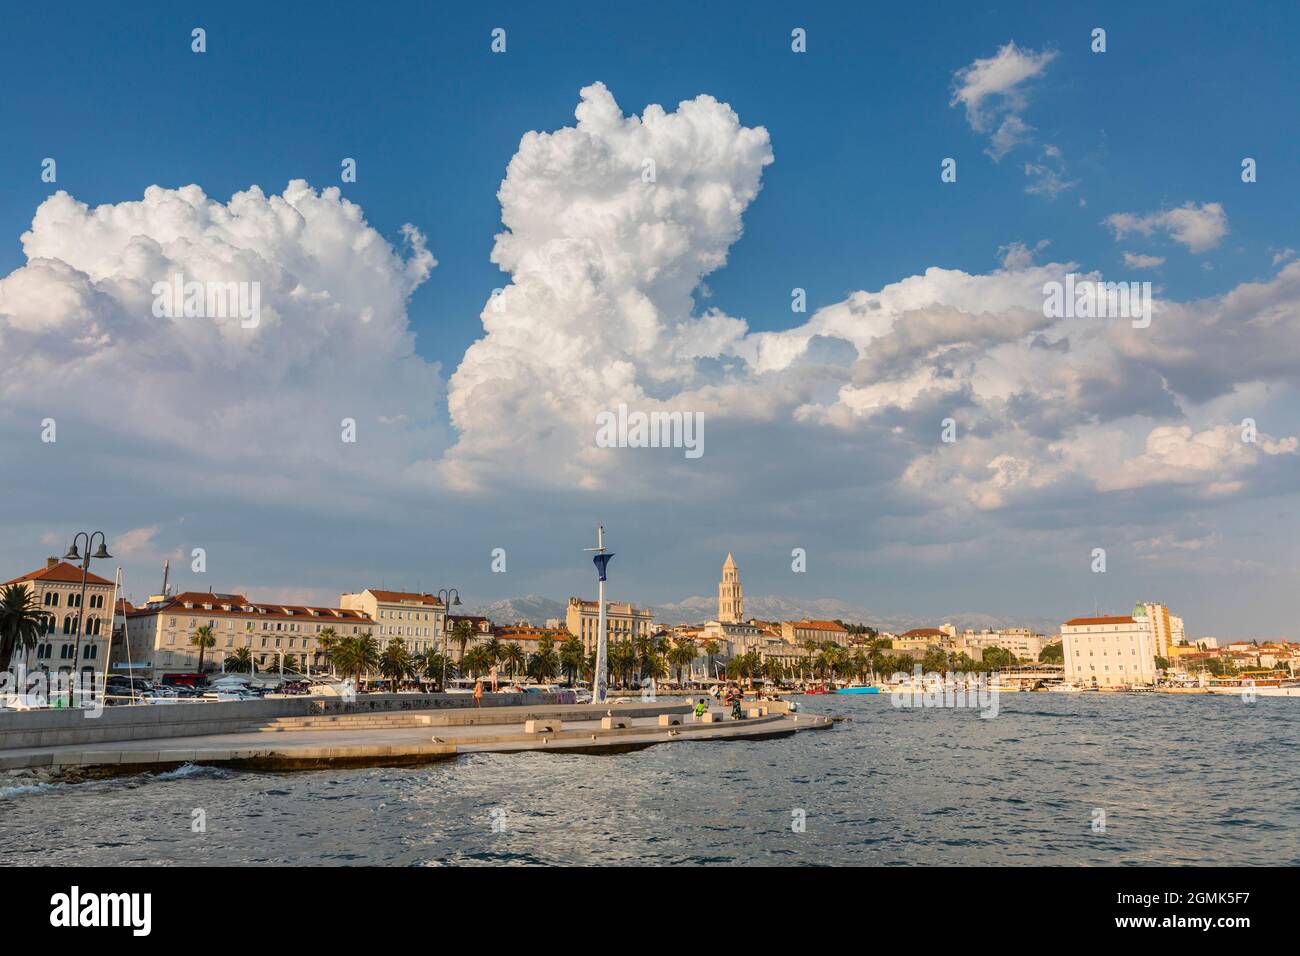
412,617
625,622
529,638
1021,641
731,599
1109,651
56,589
919,640
158,632
797,632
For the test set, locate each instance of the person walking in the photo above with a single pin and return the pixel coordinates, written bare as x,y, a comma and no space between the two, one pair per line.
478,693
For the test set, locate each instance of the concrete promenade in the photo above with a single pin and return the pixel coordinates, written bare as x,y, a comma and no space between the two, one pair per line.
399,736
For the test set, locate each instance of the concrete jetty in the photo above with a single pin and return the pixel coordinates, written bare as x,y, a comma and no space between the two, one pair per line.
383,730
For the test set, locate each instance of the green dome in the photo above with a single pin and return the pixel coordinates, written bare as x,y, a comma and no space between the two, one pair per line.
1140,610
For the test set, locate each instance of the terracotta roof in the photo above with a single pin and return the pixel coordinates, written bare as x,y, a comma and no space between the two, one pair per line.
820,625
924,632
1099,620
62,573
240,607
396,597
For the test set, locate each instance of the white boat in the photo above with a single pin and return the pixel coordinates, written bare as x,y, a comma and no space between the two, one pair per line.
1263,687
1065,687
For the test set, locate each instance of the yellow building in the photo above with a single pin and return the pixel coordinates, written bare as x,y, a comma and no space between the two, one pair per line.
796,632
56,589
159,632
414,618
624,622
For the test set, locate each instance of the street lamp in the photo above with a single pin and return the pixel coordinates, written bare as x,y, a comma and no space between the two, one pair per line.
449,597
73,555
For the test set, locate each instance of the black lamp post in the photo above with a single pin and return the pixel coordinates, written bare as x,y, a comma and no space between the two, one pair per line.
450,598
74,556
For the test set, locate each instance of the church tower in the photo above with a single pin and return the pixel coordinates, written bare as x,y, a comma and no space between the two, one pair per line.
731,600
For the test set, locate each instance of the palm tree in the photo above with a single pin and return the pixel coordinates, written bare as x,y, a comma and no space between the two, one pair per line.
622,658
572,659
493,650
462,634
513,657
711,647
21,622
436,665
241,660
773,670
395,663
476,661
326,641
545,664
681,657
203,638
357,656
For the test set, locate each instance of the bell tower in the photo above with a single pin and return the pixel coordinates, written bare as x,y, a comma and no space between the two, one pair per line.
731,600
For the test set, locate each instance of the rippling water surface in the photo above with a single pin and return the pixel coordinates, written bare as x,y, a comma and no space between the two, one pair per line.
1181,780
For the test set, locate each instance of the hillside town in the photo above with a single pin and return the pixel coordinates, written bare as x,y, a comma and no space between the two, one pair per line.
390,639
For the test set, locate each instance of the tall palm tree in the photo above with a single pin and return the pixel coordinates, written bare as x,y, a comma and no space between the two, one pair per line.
572,659
492,651
436,665
462,634
20,621
514,658
395,663
681,657
203,638
326,641
711,648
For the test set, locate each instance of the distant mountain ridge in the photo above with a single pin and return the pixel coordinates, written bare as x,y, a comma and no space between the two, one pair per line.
537,609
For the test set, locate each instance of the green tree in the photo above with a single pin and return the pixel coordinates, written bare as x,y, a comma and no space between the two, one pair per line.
203,638
241,660
395,662
572,659
681,657
436,666
326,641
545,664
514,658
711,648
1052,654
475,662
357,655
21,621
998,658
462,633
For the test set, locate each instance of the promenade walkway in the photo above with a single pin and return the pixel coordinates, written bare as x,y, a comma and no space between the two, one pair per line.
413,737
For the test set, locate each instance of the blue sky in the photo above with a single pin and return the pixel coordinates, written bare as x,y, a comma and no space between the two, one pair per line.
851,201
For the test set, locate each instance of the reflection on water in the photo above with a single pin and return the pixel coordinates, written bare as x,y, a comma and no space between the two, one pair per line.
1181,780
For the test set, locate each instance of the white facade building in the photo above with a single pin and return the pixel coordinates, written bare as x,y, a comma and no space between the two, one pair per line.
1109,651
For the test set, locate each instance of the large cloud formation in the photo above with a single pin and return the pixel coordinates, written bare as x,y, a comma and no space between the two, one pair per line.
599,310
218,401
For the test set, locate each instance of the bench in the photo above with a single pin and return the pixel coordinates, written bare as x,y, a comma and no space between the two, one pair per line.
549,726
670,720
713,717
615,723
754,712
